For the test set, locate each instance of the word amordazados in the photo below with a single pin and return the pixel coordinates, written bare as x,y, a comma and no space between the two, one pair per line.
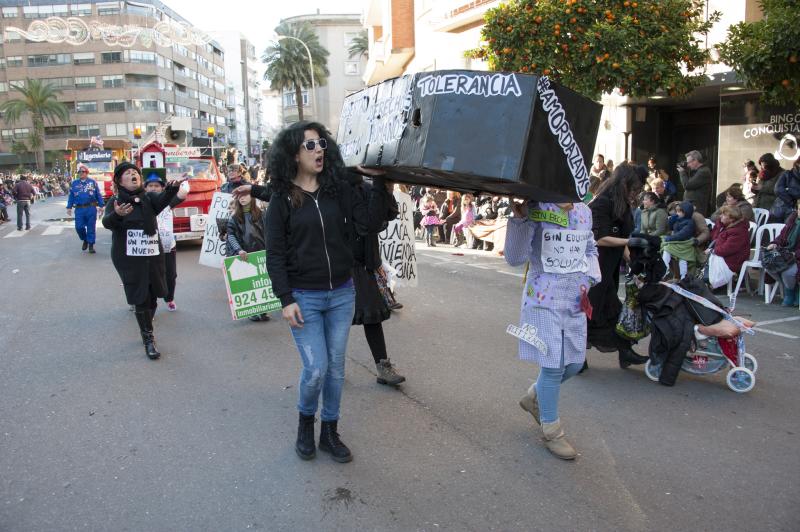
557,120
475,85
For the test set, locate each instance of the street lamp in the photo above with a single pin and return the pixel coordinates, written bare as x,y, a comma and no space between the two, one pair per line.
310,63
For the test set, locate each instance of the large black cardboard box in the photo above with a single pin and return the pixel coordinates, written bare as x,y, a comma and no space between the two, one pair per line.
497,132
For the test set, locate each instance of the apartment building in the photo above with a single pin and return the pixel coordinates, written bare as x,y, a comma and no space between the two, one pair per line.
722,120
336,33
110,89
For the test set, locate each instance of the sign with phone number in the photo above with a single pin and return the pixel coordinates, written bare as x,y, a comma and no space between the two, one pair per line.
249,287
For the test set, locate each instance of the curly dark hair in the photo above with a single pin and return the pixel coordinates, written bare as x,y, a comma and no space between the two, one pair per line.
283,166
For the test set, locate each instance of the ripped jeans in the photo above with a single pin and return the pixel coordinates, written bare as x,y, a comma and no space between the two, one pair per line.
322,342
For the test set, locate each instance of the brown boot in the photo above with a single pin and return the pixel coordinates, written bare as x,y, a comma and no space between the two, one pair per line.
529,403
556,442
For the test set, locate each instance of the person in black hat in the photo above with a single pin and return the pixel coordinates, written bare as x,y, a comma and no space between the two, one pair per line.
136,248
154,182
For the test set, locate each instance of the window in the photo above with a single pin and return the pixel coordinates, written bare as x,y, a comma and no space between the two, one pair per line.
89,130
61,10
143,57
204,98
80,10
61,83
37,11
112,106
139,9
49,60
14,60
69,105
12,37
85,107
3,86
83,58
140,80
351,68
21,133
350,36
142,105
85,82
6,135
289,99
17,83
109,8
10,12
60,131
117,130
111,57
183,111
112,82
2,63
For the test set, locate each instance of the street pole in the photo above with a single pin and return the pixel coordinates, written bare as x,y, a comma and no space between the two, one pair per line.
310,64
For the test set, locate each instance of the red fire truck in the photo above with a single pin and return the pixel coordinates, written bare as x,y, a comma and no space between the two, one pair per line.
204,179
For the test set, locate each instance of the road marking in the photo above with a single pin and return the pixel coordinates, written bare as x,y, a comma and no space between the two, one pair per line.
776,333
53,230
16,234
512,273
782,320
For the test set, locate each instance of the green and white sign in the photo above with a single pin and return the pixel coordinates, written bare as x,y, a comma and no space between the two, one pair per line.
249,287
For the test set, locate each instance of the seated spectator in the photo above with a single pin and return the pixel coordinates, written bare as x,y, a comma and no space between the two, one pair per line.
487,210
680,242
730,238
734,197
765,187
789,238
787,192
660,189
654,215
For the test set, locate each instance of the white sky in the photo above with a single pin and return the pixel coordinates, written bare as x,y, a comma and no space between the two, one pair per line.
255,19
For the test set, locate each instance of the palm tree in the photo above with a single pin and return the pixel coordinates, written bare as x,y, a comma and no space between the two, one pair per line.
287,61
359,46
39,100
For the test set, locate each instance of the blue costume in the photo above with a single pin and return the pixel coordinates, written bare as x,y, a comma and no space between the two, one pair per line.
85,197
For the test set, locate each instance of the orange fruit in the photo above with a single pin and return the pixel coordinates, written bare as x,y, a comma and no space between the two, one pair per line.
538,20
786,83
614,65
546,71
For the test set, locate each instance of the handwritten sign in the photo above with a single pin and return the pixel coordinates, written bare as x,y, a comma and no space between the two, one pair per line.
249,286
165,229
213,251
139,244
397,242
529,334
564,251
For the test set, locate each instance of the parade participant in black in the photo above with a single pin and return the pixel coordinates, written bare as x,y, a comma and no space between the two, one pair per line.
371,308
612,224
136,249
312,220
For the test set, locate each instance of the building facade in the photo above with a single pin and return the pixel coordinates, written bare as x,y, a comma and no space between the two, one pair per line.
336,33
111,89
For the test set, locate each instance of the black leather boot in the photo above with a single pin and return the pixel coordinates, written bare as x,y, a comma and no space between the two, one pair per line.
628,356
145,320
304,446
330,443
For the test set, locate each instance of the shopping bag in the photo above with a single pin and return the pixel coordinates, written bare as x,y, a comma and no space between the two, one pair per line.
718,272
631,323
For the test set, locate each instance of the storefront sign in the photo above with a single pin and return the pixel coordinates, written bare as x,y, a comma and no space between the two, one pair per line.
249,287
213,251
95,156
397,243
173,152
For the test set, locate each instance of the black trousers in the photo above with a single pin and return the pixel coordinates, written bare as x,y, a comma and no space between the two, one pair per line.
171,266
148,304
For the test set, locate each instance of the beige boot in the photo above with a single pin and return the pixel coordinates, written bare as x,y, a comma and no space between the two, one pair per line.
530,404
556,441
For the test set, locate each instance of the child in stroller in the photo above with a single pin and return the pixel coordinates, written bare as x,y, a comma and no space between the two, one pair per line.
690,328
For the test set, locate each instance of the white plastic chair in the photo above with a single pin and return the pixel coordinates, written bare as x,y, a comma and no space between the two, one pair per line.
710,223
771,231
761,215
752,231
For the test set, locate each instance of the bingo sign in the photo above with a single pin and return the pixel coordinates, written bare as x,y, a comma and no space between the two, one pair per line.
213,251
397,243
249,287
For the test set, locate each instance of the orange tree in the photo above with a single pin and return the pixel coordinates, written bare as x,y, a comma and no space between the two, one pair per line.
766,53
594,46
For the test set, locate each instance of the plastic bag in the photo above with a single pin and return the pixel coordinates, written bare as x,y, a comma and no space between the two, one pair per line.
631,323
718,272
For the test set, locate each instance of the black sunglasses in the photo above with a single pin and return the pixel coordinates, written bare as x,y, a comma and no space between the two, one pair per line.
311,144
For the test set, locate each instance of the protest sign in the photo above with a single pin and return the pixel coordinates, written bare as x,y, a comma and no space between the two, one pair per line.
213,251
140,244
249,287
565,251
165,229
397,243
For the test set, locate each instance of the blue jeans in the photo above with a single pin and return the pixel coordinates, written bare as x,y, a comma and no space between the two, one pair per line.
548,386
85,220
322,342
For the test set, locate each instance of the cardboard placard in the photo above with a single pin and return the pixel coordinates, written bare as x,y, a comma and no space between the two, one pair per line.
139,244
564,251
249,286
213,251
497,132
397,243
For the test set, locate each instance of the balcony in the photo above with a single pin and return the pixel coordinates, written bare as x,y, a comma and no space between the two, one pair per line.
385,62
458,15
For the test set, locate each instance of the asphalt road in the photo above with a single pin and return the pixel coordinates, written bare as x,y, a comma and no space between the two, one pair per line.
93,436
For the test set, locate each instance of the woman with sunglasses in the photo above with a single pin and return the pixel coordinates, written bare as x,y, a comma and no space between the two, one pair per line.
313,218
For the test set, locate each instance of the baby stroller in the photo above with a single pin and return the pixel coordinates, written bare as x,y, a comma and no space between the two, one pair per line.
675,311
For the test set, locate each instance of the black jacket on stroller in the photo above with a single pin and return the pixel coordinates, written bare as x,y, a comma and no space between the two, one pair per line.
672,317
